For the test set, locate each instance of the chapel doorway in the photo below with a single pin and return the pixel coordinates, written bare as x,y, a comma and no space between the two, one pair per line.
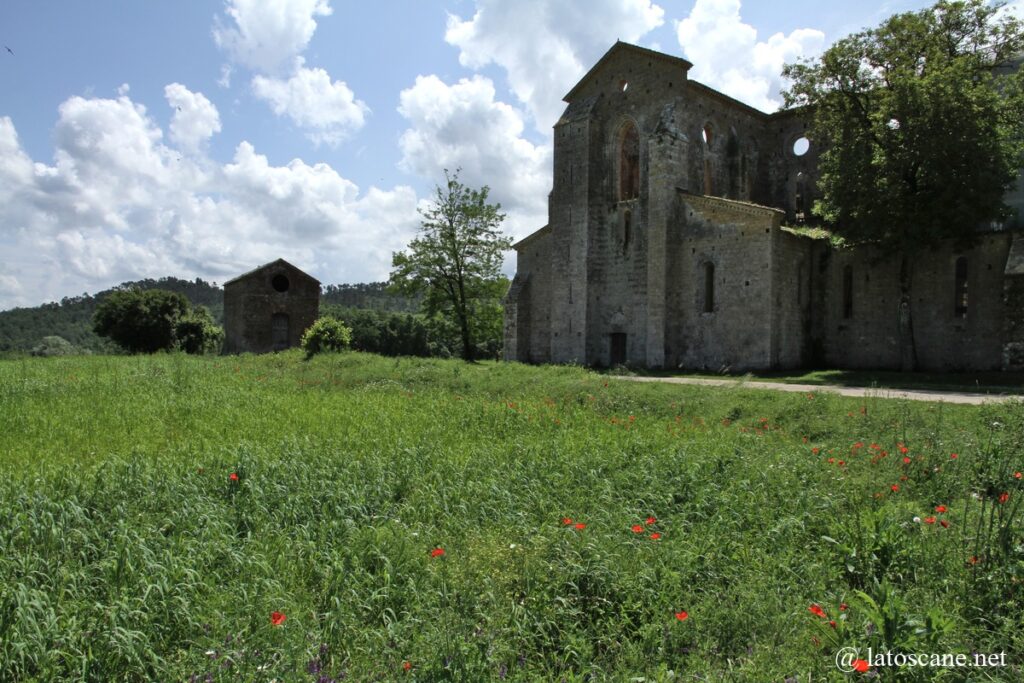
618,349
279,331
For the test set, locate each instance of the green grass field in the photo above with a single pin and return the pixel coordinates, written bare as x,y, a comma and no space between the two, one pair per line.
174,518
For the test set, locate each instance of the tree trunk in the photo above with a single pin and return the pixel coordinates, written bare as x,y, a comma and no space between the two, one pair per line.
462,312
908,349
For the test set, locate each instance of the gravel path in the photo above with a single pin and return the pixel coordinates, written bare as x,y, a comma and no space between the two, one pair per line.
857,392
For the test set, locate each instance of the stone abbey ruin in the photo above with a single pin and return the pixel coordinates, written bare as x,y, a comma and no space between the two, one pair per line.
668,245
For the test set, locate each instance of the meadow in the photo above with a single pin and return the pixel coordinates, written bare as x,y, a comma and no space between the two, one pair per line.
359,518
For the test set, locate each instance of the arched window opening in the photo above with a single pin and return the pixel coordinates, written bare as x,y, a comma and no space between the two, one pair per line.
960,302
709,287
800,200
629,163
847,292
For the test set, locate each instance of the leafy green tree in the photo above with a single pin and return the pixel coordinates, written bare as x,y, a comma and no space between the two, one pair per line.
146,321
326,334
141,321
455,260
921,121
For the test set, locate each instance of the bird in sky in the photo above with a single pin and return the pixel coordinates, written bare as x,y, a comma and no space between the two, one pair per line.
9,50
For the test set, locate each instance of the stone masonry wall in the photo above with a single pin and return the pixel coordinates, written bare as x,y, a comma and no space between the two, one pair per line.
944,341
251,301
737,240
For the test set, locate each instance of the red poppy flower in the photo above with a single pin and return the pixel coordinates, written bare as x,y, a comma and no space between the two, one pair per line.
944,524
815,450
1003,497
906,460
437,552
650,520
277,618
843,607
832,623
940,508
953,456
860,665
566,521
903,449
581,525
655,536
1017,475
831,461
637,528
233,476
973,559
895,488
841,463
682,616
817,611
406,665
929,520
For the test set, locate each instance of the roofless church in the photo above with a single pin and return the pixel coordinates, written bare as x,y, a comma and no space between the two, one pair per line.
674,240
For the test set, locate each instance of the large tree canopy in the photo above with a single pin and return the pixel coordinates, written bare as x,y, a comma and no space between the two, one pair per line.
146,321
455,261
921,122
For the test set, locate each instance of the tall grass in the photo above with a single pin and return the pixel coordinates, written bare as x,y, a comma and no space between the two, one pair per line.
128,552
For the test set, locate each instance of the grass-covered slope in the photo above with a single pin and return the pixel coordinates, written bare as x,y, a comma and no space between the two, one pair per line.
158,517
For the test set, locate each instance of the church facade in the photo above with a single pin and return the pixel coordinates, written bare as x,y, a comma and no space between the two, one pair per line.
675,239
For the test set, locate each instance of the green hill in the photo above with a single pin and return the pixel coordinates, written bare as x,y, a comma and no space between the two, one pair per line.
22,329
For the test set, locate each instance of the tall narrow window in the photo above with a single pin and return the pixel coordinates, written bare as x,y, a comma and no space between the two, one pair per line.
627,229
629,163
800,202
848,292
960,302
706,134
709,287
732,156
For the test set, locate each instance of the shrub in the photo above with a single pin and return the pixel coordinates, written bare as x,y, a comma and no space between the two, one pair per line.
197,332
54,345
326,334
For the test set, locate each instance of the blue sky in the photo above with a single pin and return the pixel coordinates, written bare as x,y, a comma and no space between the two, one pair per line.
200,139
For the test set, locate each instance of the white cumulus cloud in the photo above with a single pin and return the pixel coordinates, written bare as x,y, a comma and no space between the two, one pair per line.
265,35
195,118
327,110
727,56
545,46
120,201
463,126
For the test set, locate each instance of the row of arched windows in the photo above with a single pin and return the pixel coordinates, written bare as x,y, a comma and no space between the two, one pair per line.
629,164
